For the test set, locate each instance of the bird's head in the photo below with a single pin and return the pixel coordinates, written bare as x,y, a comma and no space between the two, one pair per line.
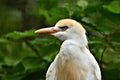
65,29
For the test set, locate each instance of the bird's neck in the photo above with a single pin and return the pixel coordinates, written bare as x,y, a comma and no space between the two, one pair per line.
79,40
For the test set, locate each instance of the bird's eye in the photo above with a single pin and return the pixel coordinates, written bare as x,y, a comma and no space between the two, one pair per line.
63,28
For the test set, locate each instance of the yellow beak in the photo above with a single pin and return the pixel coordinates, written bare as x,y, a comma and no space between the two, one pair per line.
46,30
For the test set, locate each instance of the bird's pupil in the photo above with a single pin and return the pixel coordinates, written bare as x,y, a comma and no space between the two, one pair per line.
63,27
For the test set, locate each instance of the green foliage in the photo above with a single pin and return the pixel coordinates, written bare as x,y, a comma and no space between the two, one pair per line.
114,7
24,54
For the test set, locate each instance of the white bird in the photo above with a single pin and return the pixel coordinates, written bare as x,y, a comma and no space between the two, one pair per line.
74,61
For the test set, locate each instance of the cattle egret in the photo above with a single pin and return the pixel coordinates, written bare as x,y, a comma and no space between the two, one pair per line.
74,61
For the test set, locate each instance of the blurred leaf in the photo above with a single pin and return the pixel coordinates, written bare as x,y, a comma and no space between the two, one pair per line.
10,61
114,7
20,35
88,20
82,3
31,63
15,73
38,41
54,14
44,39
3,40
49,49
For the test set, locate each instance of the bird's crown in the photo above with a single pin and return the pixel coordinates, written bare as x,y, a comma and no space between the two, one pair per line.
69,23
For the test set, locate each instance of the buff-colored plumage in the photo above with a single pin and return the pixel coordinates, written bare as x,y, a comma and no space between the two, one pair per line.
74,61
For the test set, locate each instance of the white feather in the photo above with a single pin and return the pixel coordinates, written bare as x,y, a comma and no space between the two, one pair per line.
74,61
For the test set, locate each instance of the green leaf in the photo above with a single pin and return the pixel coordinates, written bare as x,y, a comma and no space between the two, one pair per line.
10,61
53,14
113,7
31,63
4,40
83,4
20,35
15,73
